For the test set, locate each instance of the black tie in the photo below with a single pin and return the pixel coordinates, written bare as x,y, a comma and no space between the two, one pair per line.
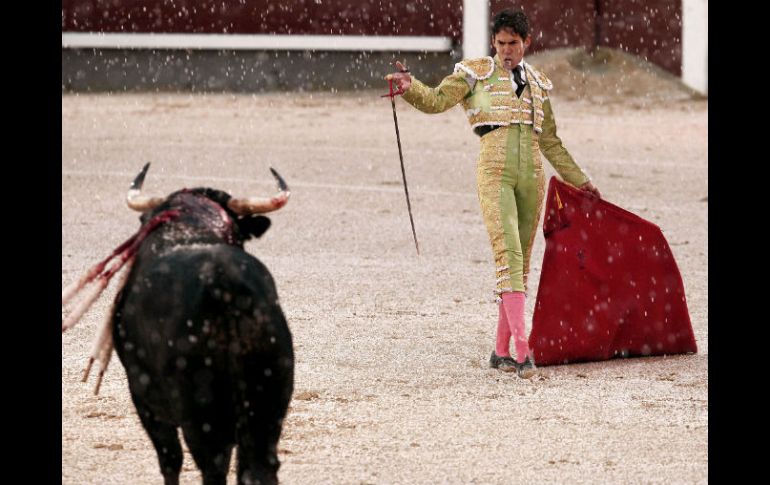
519,81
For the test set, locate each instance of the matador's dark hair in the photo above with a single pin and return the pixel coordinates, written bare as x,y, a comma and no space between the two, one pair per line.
516,20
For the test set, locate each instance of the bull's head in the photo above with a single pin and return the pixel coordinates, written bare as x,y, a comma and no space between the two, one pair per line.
246,211
241,206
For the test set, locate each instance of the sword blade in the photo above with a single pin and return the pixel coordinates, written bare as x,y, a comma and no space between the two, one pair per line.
403,173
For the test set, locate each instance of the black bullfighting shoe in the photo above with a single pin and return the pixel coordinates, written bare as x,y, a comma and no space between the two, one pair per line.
505,364
527,368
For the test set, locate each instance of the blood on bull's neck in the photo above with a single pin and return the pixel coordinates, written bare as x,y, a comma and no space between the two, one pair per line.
200,217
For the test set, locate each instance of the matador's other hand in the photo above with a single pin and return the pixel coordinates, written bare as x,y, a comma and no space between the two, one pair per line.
402,78
591,189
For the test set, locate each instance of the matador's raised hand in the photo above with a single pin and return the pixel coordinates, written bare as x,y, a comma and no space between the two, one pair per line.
402,78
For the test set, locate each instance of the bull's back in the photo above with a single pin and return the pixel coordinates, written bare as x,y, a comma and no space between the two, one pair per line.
198,328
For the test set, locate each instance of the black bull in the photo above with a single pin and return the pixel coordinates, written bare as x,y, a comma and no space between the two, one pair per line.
204,342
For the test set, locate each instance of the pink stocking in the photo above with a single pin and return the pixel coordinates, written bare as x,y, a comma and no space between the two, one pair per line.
513,302
502,348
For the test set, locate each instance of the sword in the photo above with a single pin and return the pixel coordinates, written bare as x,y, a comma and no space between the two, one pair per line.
392,95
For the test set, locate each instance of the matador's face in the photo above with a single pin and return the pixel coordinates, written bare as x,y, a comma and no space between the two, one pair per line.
510,47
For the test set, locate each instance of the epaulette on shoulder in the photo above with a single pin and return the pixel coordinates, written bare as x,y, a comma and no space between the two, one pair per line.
539,78
479,68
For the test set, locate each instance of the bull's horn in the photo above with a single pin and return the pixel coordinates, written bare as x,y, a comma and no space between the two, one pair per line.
261,205
136,200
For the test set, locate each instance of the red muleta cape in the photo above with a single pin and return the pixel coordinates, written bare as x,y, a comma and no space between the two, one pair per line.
609,285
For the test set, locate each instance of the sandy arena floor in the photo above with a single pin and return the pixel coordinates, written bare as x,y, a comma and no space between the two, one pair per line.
392,383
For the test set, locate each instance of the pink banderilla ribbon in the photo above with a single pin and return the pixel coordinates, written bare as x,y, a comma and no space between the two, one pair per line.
102,348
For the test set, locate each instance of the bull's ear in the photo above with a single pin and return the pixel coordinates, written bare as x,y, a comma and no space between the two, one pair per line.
253,226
